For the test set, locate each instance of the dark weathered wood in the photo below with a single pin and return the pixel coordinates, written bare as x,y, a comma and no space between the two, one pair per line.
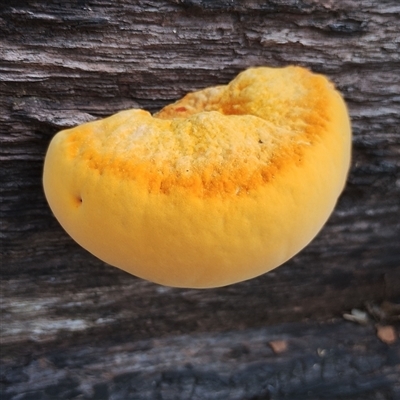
335,359
63,63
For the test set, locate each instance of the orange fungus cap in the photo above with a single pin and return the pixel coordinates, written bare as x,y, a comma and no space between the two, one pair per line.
222,186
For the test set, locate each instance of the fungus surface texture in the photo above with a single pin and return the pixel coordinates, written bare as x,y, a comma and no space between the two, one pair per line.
222,186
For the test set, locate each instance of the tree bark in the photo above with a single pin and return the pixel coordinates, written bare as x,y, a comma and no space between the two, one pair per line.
73,327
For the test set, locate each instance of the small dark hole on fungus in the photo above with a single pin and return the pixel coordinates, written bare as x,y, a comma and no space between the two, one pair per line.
78,200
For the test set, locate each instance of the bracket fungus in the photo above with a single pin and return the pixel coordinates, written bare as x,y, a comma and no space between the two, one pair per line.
224,185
